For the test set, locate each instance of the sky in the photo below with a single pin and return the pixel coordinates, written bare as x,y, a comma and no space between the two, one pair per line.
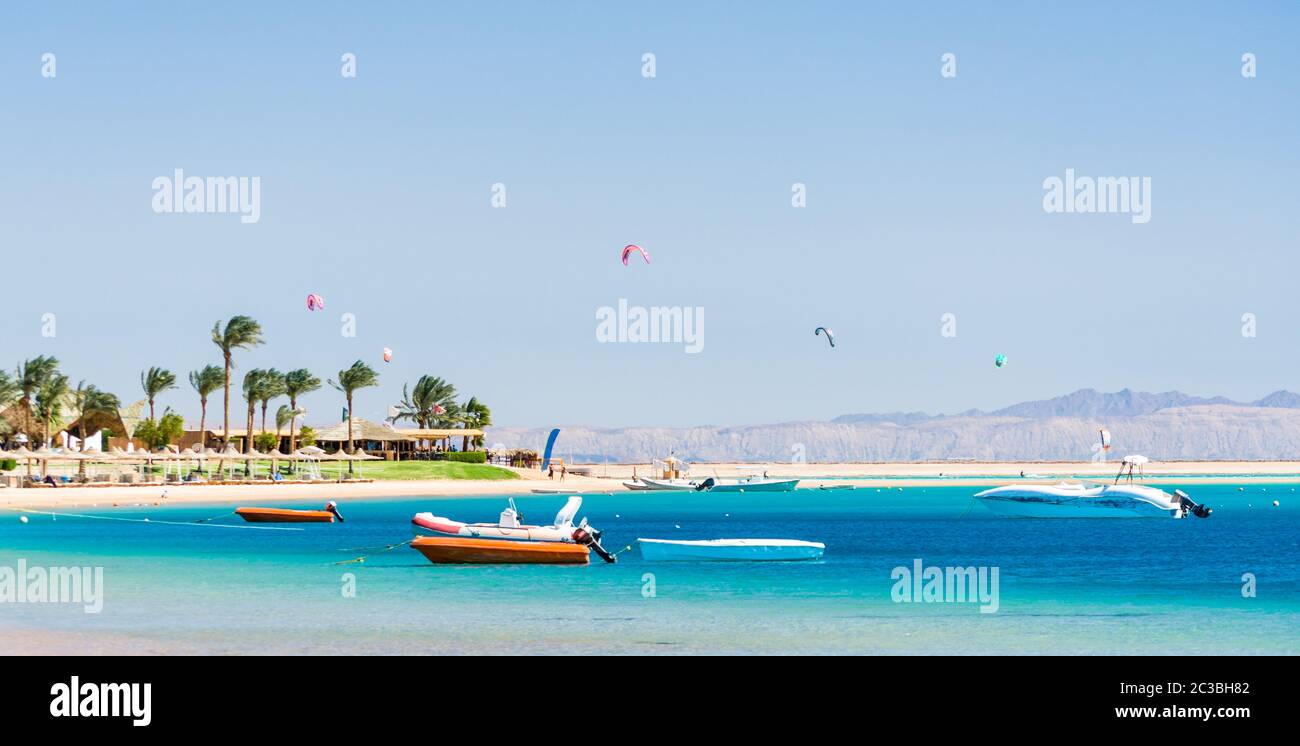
924,197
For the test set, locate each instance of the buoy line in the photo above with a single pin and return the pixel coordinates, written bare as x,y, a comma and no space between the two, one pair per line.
147,520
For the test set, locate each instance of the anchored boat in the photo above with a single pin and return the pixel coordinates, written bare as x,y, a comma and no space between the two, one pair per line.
1073,500
730,550
1084,501
284,515
510,529
442,550
722,484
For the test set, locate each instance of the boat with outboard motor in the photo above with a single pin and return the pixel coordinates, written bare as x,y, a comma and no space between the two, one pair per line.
1075,500
329,514
510,528
720,484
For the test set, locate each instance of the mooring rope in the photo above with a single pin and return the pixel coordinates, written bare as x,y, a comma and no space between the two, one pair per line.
383,549
146,520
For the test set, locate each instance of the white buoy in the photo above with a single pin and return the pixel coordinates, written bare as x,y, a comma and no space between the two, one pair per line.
22,519
1276,504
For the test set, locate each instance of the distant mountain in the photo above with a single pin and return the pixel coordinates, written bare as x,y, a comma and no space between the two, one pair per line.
1281,399
1085,403
1164,426
1093,403
897,418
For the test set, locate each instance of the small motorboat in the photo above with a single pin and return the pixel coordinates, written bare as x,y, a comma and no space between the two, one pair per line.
284,515
448,550
637,485
511,528
723,484
730,550
1071,500
837,487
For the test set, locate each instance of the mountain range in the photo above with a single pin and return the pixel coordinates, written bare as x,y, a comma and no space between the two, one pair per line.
1168,426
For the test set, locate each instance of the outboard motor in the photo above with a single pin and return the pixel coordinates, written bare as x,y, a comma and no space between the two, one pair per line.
333,508
590,538
1188,506
705,486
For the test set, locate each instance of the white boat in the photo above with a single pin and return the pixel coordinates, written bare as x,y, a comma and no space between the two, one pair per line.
730,550
671,474
722,484
1072,500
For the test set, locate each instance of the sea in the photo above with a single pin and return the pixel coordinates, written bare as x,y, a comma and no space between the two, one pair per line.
1229,584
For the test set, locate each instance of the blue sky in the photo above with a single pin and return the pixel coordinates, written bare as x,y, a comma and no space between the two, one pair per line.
924,197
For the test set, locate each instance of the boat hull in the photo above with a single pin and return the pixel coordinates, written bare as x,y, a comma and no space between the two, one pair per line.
783,485
722,485
448,550
1071,501
282,515
730,550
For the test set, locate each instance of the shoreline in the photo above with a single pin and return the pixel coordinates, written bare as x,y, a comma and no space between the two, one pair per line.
609,478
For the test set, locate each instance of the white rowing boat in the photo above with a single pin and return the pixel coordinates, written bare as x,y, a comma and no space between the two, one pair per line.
730,550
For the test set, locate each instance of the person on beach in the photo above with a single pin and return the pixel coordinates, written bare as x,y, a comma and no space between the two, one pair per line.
563,470
551,473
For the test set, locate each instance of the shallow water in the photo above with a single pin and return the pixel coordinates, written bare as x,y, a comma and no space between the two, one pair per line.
1065,586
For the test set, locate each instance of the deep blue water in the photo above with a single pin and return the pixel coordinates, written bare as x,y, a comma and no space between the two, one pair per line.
1069,586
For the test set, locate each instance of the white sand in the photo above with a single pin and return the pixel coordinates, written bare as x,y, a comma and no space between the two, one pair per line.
609,479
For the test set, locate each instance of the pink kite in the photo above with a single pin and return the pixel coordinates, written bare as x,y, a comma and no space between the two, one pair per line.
315,302
388,355
633,247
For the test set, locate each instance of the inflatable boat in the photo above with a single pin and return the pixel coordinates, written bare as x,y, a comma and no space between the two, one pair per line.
510,528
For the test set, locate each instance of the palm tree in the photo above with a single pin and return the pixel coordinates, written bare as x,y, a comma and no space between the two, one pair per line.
432,397
476,416
205,381
49,402
359,376
155,381
88,401
283,416
253,386
271,386
8,389
30,376
8,393
240,332
296,383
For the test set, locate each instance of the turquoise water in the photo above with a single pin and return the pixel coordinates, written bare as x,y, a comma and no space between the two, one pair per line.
1065,586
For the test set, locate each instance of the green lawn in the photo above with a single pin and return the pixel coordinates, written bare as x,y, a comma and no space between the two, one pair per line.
404,470
428,470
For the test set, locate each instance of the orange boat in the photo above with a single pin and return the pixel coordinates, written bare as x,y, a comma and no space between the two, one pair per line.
444,550
284,515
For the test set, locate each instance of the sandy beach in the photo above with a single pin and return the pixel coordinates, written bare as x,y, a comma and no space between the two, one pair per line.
609,478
